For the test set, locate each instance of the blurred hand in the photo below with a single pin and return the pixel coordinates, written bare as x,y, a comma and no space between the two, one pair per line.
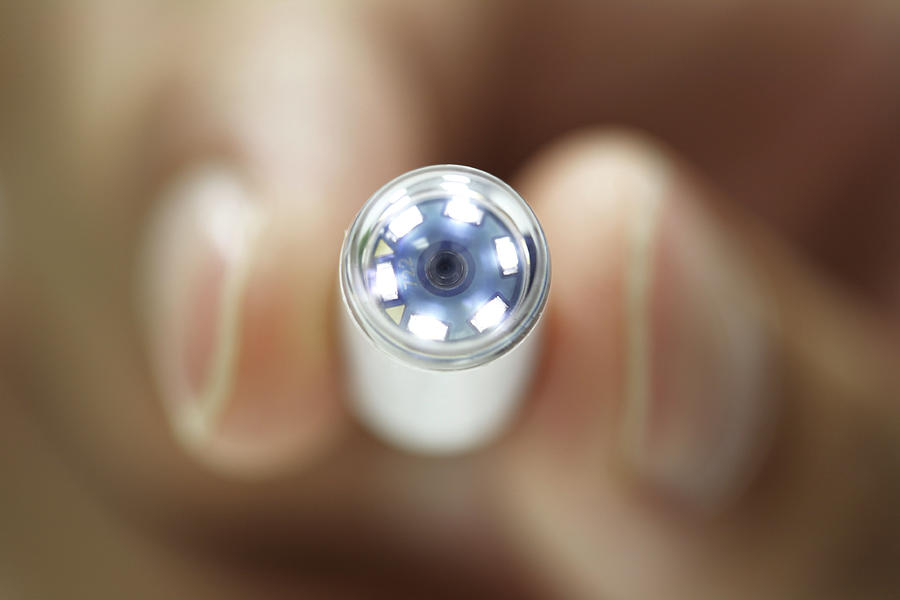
716,414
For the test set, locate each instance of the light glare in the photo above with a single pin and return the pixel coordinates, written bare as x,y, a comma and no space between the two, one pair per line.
456,177
398,194
456,187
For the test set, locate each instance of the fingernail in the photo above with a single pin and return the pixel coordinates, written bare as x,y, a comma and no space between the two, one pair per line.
696,397
199,251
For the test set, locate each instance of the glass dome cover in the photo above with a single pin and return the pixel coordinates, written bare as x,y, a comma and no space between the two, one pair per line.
445,267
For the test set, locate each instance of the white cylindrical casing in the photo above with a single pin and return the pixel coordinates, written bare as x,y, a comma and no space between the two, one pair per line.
434,411
460,252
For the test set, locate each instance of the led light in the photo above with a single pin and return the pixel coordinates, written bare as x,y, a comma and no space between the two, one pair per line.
506,255
405,222
385,282
427,327
462,210
490,314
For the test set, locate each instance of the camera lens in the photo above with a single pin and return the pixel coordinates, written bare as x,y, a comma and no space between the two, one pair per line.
446,268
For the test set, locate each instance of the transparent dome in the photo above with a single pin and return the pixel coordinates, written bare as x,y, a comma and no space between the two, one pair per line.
446,267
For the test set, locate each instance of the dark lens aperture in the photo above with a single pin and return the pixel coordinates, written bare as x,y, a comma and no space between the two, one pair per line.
446,268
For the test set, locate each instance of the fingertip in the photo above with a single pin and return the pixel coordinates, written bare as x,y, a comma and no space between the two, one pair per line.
658,354
649,395
234,334
590,190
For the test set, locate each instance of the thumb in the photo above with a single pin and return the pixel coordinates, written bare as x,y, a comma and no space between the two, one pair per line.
268,155
715,419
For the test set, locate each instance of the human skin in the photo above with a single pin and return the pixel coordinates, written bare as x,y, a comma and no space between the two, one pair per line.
765,174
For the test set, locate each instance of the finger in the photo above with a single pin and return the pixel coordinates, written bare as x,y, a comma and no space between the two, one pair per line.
243,253
711,409
237,110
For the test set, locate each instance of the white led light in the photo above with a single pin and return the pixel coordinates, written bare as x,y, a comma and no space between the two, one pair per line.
507,255
385,282
462,210
427,327
490,314
405,222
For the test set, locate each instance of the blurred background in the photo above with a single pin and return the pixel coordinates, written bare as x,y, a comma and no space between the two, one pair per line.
119,119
